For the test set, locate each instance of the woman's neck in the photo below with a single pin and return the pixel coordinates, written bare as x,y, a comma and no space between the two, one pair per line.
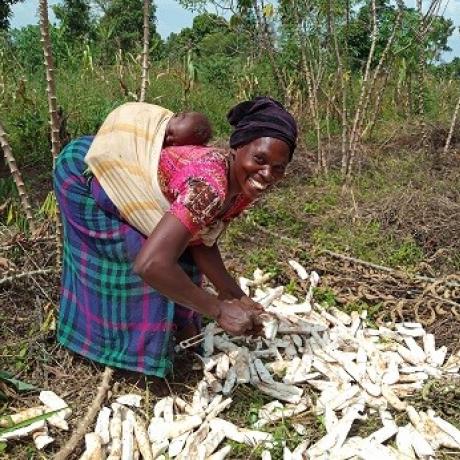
233,186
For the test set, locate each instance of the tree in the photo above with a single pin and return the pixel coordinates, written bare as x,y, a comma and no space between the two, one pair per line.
358,34
122,23
75,20
5,13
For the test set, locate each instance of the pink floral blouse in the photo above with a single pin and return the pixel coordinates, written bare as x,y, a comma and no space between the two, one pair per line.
194,179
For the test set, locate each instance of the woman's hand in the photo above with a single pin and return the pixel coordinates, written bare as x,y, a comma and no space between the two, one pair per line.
251,305
237,319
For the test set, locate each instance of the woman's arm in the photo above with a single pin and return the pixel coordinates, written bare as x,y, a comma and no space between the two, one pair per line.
209,261
157,264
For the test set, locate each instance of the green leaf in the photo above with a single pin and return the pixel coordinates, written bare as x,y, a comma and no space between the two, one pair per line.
18,384
28,422
2,447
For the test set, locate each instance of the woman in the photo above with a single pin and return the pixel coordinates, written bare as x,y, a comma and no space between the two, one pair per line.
126,292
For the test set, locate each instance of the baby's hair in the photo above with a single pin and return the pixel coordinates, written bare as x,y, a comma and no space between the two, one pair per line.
203,131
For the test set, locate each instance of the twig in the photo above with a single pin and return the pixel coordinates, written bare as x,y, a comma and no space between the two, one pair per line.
17,276
38,268
82,428
17,177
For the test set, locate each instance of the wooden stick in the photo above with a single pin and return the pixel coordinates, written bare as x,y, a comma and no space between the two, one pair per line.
17,177
52,107
452,126
17,276
93,410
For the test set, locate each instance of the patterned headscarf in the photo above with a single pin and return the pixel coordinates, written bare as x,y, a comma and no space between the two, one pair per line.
262,117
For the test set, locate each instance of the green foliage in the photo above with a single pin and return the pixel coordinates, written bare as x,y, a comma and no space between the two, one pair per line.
405,254
325,296
121,25
265,258
75,20
5,13
25,48
367,241
19,385
358,35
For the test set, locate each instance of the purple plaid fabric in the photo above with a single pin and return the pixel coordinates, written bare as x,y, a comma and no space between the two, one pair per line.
107,313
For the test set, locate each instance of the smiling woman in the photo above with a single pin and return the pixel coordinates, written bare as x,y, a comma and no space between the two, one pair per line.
127,292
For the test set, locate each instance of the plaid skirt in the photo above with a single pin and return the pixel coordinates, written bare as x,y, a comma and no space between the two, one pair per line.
107,312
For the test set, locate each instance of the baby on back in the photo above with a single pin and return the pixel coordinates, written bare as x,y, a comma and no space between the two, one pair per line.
188,128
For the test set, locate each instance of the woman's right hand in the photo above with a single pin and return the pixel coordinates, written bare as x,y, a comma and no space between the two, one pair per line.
236,319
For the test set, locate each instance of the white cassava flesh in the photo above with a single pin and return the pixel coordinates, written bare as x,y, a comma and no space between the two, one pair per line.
241,435
142,439
208,344
54,403
200,397
115,430
131,400
127,436
221,454
158,448
102,425
281,413
299,269
177,444
219,408
222,366
42,438
191,449
159,429
26,414
215,401
21,432
403,442
281,391
212,442
93,450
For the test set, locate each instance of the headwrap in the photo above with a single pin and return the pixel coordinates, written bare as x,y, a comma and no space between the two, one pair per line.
262,117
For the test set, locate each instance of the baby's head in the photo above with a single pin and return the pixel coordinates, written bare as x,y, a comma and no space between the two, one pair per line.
188,128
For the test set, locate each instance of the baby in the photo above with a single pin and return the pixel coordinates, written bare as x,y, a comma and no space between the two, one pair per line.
188,128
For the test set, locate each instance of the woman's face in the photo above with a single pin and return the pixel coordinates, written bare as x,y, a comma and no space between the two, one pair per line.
259,165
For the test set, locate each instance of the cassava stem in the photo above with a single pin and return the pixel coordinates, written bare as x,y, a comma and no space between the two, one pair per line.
17,177
52,106
145,52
